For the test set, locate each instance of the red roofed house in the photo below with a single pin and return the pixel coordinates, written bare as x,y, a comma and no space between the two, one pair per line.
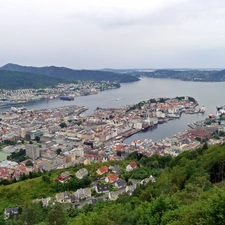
112,178
63,177
131,166
102,170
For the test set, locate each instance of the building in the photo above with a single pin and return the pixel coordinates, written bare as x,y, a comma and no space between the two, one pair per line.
63,177
11,211
102,170
81,173
112,178
120,183
113,196
33,151
131,166
102,188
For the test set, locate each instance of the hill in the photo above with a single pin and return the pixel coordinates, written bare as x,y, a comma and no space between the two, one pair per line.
70,74
189,189
19,80
185,75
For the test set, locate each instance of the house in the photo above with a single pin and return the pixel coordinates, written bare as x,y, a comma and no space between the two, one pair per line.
74,199
130,188
120,183
45,201
113,196
131,166
148,179
111,178
67,196
11,211
102,170
63,197
60,197
115,169
81,173
63,177
83,193
102,188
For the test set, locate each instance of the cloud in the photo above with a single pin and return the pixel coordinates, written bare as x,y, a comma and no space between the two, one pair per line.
150,13
111,33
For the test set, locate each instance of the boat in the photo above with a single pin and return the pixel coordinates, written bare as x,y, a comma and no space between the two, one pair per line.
219,108
51,98
172,115
66,98
211,116
202,109
222,111
5,102
18,110
22,108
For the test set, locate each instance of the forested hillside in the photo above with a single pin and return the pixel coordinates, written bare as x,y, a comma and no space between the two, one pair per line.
73,75
189,189
20,80
185,75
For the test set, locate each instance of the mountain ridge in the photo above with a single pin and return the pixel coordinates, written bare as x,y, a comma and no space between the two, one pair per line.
12,80
70,74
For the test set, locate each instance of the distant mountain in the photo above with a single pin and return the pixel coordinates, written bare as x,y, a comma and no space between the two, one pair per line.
118,70
185,75
70,74
20,80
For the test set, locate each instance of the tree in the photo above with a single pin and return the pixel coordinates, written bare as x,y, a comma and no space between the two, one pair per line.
58,151
205,146
29,163
46,178
63,125
56,215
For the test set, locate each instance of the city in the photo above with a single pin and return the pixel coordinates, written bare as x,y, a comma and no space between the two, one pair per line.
61,138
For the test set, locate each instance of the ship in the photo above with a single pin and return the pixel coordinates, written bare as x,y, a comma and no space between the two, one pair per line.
202,109
211,116
51,97
19,109
219,108
5,102
66,98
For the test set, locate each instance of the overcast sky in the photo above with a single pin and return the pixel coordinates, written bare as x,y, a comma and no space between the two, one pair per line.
95,34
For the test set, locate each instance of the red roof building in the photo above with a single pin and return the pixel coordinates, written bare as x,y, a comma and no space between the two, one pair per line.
112,178
102,170
131,166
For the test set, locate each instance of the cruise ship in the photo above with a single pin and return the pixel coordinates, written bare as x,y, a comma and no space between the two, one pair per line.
67,98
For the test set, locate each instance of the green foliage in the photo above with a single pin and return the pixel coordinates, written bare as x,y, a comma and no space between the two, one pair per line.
18,156
58,151
8,142
61,73
21,80
29,163
46,178
63,125
189,189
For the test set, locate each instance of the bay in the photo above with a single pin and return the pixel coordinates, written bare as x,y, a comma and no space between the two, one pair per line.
209,94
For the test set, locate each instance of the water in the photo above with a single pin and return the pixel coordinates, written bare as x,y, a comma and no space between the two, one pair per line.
207,94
